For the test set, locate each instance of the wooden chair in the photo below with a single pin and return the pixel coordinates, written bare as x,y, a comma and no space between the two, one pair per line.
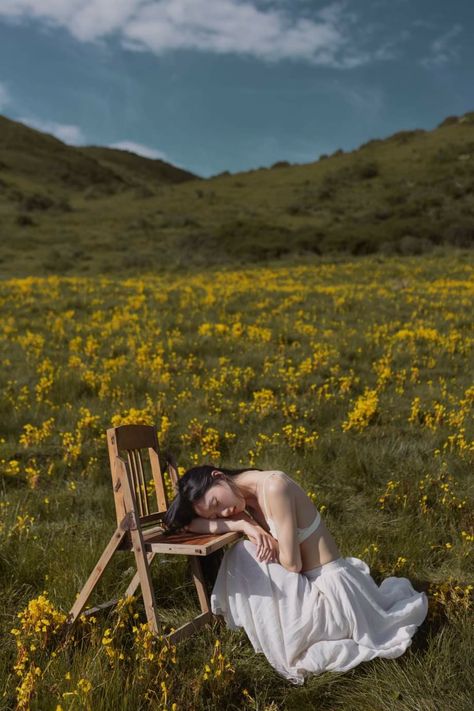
139,530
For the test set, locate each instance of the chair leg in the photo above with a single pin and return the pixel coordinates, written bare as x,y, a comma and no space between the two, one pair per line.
143,572
135,581
189,628
96,574
199,582
210,567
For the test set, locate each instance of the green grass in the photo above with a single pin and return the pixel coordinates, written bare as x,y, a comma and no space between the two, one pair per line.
316,335
94,210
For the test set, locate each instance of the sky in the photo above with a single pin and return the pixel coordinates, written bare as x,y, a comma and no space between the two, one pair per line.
234,85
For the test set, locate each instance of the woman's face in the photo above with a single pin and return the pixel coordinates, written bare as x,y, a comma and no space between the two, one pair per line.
220,500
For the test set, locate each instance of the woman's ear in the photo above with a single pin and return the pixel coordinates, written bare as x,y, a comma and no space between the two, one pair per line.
216,472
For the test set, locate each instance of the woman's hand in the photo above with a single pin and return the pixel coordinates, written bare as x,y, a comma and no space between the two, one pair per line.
267,546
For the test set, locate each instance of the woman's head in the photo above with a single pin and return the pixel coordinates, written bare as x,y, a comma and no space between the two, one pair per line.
205,491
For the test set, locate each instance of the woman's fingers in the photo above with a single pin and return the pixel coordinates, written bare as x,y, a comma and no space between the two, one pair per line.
265,553
265,546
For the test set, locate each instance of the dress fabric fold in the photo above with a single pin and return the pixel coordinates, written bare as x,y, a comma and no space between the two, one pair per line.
329,618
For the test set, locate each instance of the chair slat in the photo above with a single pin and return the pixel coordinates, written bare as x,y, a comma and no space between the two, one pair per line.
158,479
135,481
143,482
139,492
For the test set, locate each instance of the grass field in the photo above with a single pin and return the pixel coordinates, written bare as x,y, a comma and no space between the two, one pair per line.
355,377
90,210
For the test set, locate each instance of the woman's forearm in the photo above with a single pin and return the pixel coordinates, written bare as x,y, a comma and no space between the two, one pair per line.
239,522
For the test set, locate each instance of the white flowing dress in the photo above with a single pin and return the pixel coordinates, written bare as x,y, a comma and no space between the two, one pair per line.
329,618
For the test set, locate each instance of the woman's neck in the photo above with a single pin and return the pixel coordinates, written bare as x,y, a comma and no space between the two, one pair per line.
247,482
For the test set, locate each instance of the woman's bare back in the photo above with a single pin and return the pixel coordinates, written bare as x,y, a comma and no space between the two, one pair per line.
320,547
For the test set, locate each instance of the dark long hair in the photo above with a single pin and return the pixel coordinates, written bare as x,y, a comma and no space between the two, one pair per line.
192,485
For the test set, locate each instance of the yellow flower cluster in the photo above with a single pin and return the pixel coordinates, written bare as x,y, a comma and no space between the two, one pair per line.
450,598
133,416
458,443
207,438
315,499
382,566
36,435
363,412
40,622
438,492
264,402
463,547
153,655
432,493
32,472
22,525
81,691
217,666
32,344
72,447
383,369
45,370
236,330
146,416
298,437
10,467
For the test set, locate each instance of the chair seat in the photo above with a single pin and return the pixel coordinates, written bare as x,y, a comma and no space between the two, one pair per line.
187,543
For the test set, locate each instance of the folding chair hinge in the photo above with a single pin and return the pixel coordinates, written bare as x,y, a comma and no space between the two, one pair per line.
129,522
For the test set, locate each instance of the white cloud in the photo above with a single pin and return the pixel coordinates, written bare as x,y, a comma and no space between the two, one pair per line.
139,149
65,132
145,151
389,50
367,100
220,26
5,98
442,51
72,135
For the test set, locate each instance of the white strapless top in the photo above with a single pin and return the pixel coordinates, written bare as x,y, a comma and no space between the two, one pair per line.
302,533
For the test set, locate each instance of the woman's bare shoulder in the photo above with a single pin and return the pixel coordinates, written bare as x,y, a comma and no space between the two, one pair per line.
279,482
271,471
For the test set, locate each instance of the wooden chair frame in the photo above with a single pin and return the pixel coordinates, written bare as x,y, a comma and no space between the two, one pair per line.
139,531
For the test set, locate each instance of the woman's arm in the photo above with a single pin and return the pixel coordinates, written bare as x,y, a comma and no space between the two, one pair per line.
238,522
284,516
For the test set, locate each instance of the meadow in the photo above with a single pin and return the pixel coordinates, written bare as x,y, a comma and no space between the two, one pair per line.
354,376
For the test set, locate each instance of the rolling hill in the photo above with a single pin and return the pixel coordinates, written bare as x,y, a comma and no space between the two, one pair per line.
91,209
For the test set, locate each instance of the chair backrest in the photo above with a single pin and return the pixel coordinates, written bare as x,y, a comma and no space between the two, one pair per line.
130,440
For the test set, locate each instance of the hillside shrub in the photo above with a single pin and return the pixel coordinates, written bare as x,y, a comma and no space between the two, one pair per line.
281,164
460,235
402,137
36,201
448,121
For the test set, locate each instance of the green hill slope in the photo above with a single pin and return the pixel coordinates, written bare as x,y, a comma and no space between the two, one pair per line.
91,209
134,169
31,158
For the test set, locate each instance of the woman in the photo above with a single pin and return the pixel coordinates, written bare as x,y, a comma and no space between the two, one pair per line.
301,604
